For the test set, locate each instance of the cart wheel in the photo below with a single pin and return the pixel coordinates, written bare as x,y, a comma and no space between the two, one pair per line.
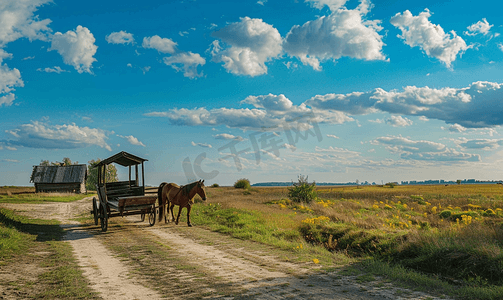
151,216
142,216
95,212
104,218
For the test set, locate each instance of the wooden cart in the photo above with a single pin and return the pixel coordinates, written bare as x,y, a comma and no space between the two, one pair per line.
122,198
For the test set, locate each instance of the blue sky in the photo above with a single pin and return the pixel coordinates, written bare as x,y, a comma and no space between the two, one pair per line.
266,90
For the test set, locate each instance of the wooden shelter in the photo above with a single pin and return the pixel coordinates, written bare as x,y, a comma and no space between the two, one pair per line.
60,178
122,198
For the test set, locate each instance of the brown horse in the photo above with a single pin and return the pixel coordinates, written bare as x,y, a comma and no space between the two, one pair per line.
170,194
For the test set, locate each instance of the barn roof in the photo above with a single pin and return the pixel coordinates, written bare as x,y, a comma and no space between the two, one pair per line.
59,174
122,158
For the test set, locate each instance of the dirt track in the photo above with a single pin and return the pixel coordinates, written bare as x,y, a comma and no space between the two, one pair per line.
135,261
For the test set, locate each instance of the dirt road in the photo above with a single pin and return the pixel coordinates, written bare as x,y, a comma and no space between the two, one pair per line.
135,261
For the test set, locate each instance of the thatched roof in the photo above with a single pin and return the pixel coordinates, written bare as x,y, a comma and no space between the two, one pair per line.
59,174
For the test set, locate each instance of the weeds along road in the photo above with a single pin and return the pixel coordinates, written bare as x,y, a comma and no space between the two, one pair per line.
135,261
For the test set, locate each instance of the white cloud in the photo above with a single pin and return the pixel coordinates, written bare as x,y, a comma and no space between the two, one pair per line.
43,135
479,144
9,79
481,27
418,31
201,145
10,160
145,69
343,33
377,121
163,45
291,65
475,106
132,140
186,62
340,152
120,37
332,136
56,69
423,150
456,128
261,2
8,99
226,136
271,102
398,121
355,103
500,46
270,112
76,47
18,21
250,43
332,4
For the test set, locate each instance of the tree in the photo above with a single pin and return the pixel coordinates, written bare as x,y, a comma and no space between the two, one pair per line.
92,174
66,162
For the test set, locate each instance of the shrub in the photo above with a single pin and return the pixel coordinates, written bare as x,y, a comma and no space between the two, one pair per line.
215,185
445,214
242,183
302,191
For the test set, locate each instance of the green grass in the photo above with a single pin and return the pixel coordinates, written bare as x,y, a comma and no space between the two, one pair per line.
13,241
42,198
20,236
257,226
65,280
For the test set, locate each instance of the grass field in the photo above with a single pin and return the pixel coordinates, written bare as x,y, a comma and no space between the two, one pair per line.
449,237
445,239
43,264
28,195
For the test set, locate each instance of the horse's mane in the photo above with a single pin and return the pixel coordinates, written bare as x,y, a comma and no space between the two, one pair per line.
186,188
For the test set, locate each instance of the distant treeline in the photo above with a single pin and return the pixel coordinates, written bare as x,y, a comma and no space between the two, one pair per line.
290,183
466,181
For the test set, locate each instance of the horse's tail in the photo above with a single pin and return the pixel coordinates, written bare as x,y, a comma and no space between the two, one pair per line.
161,200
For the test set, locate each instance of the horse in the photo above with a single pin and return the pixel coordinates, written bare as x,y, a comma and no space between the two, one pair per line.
170,194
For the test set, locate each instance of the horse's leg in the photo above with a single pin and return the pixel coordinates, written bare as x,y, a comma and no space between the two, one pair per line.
178,217
188,216
166,208
172,206
161,208
160,199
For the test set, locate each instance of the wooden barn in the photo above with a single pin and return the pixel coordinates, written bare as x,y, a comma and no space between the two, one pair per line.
60,178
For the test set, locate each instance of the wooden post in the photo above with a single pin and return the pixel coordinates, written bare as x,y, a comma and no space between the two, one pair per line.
143,176
130,176
99,176
136,171
104,174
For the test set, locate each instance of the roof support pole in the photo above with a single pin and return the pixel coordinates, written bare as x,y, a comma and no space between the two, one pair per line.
136,171
142,176
129,176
